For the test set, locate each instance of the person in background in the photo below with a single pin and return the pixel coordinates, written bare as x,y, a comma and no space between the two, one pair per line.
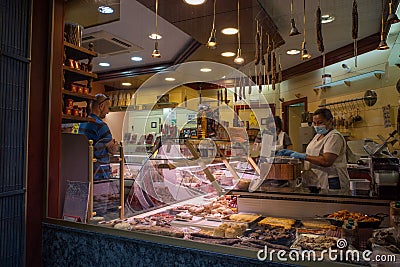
325,155
274,127
100,133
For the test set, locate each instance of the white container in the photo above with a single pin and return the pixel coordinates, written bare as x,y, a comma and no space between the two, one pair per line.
359,184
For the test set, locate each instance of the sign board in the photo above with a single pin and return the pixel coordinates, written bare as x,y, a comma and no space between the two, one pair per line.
76,201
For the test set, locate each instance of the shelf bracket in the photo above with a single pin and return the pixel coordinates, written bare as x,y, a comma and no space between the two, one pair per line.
378,75
347,83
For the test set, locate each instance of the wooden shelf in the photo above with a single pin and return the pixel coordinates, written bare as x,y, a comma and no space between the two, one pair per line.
72,74
118,108
77,52
347,81
77,96
75,119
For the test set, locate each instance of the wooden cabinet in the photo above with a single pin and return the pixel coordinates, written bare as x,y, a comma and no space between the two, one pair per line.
77,82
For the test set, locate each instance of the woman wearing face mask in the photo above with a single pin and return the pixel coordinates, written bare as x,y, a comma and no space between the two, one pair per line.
325,155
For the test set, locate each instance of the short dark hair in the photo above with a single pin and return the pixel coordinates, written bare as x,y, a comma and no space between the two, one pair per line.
101,98
324,112
278,122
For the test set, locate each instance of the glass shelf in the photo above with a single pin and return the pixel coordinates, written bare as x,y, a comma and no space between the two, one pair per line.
348,81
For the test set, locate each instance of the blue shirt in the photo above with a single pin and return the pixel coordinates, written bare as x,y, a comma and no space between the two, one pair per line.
99,132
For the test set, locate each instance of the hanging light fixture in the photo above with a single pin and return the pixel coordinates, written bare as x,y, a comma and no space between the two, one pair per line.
382,45
238,59
392,18
156,52
212,41
293,31
304,53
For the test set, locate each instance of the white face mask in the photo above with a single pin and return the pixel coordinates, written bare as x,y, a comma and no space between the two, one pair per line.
321,129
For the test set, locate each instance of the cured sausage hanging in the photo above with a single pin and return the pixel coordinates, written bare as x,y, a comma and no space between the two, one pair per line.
354,30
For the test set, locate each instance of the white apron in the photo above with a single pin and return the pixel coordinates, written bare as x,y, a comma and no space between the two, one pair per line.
338,168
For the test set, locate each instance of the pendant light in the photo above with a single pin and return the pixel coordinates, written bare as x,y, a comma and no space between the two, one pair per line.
156,52
392,18
212,41
382,45
238,59
293,31
304,53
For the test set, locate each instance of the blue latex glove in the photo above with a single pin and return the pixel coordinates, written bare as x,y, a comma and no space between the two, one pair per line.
284,152
298,155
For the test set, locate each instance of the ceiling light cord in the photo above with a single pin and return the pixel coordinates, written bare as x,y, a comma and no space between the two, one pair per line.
156,52
238,7
213,25
304,21
156,20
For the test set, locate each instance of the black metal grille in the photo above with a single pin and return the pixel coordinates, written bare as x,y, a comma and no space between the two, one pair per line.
14,79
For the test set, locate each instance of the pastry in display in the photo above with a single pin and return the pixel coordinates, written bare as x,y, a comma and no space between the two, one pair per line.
356,216
278,222
243,217
230,230
318,225
219,232
310,242
184,216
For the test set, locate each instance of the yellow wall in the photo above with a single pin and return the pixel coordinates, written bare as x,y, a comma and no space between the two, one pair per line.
372,123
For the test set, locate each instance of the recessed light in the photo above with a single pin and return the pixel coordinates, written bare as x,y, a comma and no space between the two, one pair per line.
327,18
205,70
194,2
228,54
126,84
293,52
105,10
229,31
154,35
104,64
170,79
136,58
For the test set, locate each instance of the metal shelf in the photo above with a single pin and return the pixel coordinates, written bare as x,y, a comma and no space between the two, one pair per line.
347,81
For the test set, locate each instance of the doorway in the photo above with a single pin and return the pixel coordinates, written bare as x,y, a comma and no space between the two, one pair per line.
291,116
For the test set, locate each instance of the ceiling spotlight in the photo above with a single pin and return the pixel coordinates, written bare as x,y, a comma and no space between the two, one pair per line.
155,36
392,18
205,69
194,2
104,64
327,18
304,53
382,44
212,41
293,31
293,52
105,10
156,53
126,84
239,59
169,79
228,54
347,68
137,59
229,31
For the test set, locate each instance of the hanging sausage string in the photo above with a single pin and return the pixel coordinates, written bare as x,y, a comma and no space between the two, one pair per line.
354,30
